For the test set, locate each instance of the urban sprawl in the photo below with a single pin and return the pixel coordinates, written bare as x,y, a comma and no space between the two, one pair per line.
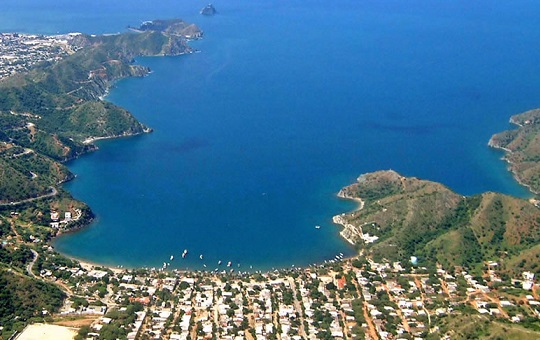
20,52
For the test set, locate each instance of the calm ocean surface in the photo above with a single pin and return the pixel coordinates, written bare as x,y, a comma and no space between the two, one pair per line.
287,102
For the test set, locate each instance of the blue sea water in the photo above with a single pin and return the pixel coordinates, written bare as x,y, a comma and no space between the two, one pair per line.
287,102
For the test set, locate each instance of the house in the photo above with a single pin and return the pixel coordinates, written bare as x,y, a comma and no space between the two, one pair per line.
341,282
55,216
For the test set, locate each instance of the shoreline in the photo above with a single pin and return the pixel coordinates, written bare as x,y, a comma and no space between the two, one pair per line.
511,165
346,233
89,265
349,231
211,269
361,202
91,140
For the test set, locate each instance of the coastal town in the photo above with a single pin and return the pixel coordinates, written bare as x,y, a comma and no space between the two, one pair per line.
20,52
354,298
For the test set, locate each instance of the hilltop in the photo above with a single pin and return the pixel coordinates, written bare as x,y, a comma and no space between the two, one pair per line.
405,217
522,147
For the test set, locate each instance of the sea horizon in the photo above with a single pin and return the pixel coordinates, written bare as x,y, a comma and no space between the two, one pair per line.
255,135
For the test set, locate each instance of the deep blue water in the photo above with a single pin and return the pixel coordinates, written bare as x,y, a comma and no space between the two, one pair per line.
287,102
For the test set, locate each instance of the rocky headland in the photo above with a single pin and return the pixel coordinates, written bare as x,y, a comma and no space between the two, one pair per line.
522,148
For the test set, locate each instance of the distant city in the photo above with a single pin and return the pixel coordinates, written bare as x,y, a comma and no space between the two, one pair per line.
20,52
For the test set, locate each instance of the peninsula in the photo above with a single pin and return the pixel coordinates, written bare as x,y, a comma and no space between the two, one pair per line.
406,217
52,107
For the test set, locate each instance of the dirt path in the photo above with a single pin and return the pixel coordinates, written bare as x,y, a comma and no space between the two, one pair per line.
372,331
298,307
419,286
398,310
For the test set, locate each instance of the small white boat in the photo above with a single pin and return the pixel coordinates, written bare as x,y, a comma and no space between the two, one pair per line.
172,257
219,263
184,253
201,257
317,227
229,264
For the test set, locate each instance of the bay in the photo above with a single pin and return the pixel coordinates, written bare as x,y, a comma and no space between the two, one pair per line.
287,102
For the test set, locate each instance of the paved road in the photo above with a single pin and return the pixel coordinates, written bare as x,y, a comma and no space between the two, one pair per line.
53,192
31,264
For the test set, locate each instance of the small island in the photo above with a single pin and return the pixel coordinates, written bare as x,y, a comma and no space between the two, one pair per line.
208,10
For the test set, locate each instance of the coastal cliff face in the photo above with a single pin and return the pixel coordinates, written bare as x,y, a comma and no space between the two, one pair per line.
406,216
522,147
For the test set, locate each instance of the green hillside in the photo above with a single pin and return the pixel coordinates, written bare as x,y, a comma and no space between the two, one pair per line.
413,217
23,299
27,174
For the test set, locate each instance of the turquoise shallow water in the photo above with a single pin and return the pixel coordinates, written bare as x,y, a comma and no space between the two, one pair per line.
287,102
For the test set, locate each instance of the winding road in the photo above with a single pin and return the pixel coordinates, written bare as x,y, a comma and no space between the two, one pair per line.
31,264
60,284
53,192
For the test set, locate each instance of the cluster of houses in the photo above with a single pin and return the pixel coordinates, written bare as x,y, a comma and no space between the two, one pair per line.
377,299
57,223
